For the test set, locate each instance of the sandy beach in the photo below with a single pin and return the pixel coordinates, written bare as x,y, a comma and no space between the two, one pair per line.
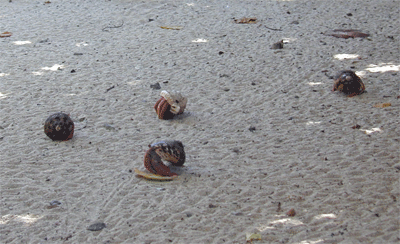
263,131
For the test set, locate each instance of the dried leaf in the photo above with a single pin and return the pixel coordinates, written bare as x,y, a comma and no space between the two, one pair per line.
151,176
252,236
340,33
6,34
246,21
382,105
171,27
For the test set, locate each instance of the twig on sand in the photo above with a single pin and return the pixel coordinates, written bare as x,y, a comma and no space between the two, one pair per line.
273,29
115,26
110,88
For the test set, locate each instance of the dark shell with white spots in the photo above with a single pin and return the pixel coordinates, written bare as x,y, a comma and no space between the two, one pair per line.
349,83
59,127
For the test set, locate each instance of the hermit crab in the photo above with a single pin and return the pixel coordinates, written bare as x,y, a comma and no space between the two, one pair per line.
59,127
349,83
171,151
170,104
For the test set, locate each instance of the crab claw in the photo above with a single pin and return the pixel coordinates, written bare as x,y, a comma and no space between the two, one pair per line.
176,100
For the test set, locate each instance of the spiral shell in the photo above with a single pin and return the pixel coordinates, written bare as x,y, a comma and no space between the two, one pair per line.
171,151
59,127
349,83
163,109
154,164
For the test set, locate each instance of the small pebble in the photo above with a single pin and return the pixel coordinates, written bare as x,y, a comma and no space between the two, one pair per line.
277,45
109,127
156,86
55,202
212,206
45,40
96,227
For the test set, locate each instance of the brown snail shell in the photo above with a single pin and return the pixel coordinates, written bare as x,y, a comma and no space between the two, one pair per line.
170,104
349,83
163,109
171,151
59,127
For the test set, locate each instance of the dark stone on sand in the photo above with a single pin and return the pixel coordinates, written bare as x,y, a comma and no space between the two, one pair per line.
277,45
96,226
156,86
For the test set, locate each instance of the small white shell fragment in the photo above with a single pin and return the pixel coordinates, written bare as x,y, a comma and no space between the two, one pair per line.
253,236
176,100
